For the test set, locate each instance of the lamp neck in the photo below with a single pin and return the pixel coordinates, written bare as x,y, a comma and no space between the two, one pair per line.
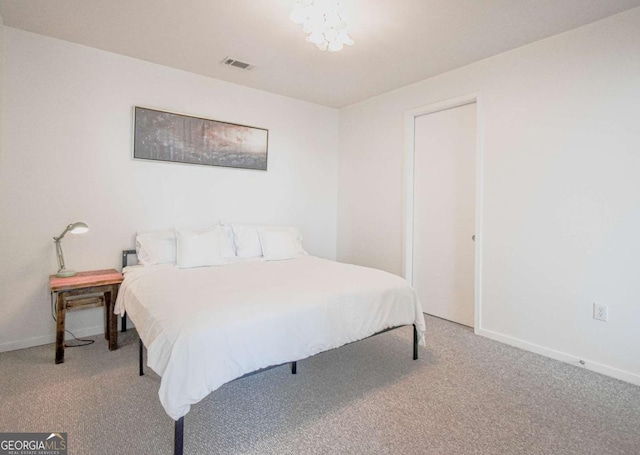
61,236
59,254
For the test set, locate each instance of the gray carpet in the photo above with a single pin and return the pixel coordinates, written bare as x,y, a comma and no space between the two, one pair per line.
466,395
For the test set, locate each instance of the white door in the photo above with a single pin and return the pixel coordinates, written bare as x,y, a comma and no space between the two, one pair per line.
444,213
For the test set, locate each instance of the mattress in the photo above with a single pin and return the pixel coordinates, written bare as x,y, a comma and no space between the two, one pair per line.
204,327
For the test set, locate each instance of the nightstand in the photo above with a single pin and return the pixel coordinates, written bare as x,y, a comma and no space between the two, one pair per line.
82,291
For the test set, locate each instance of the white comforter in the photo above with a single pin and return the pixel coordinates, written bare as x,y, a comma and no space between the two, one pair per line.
206,326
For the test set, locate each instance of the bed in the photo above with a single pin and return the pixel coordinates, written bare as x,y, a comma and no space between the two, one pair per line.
206,326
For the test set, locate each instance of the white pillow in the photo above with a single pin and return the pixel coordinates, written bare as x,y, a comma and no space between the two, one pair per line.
280,243
247,240
202,247
156,247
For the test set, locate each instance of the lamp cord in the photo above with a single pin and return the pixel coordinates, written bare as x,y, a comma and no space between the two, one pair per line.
84,342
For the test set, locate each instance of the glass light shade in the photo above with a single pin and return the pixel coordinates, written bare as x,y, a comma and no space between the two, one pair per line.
313,11
324,21
316,38
331,34
331,19
346,39
335,46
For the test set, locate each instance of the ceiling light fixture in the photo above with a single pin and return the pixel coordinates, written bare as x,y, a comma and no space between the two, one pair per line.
324,21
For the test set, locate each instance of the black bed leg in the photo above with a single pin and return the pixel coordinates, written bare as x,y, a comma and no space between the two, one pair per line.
294,367
178,437
141,346
415,343
124,323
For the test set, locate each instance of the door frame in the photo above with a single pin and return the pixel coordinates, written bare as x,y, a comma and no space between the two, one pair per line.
409,179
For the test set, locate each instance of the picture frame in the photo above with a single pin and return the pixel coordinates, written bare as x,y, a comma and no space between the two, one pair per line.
180,138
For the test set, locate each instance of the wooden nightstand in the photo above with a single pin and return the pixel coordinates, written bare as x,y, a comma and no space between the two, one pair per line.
70,291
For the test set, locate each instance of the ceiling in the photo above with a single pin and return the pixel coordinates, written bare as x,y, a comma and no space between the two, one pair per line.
397,42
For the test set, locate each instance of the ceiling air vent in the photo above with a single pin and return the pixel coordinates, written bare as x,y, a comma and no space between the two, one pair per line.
237,64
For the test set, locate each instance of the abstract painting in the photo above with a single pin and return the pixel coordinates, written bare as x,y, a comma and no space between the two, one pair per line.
165,136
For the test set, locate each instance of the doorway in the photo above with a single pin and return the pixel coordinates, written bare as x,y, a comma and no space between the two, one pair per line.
443,209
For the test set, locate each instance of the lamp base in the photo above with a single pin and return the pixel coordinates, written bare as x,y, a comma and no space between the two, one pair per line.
66,273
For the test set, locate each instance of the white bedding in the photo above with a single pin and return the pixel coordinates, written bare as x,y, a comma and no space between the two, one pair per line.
206,326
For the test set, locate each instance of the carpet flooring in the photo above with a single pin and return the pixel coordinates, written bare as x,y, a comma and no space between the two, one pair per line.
466,395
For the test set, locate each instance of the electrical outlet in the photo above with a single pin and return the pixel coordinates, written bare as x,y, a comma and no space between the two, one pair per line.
600,312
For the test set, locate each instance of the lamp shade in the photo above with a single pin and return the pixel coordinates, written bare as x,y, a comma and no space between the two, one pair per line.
79,228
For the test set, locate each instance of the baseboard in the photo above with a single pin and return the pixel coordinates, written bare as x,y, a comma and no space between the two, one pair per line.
48,339
562,356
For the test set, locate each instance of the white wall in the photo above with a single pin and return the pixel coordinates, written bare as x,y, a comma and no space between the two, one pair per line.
561,219
1,76
67,157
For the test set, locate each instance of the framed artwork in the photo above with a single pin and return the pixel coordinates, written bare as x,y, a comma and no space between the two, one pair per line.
178,138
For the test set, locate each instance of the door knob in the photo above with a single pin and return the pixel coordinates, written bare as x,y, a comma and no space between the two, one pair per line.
473,237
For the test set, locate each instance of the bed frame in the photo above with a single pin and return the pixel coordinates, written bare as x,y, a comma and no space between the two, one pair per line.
178,438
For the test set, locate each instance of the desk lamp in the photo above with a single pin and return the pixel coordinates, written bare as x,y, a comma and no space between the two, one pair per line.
74,228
